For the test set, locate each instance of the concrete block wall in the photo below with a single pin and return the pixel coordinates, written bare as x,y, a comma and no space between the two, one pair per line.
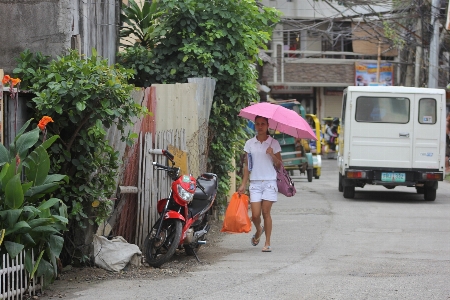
39,25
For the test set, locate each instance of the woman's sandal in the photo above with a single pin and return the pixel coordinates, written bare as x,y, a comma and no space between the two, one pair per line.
266,249
255,241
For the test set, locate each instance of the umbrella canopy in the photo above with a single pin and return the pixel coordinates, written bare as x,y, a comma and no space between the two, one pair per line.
280,118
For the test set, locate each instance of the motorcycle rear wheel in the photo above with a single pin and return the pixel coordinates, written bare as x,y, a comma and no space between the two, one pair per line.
158,250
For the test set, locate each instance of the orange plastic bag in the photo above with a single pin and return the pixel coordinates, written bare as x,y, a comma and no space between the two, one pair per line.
236,217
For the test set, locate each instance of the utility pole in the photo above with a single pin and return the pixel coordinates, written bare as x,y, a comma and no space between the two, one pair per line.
378,62
418,53
433,69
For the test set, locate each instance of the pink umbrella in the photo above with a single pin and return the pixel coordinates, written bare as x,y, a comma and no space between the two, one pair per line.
280,118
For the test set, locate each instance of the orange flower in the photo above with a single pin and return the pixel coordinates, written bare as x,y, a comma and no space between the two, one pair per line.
44,121
6,79
15,81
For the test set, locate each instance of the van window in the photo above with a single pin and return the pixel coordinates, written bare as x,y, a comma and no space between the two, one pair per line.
427,111
382,109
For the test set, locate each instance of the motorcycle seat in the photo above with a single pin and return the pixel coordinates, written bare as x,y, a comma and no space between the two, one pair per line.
210,186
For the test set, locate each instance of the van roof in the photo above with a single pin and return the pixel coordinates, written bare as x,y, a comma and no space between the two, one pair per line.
394,89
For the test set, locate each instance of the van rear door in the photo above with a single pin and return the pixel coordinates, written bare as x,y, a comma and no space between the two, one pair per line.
381,130
427,131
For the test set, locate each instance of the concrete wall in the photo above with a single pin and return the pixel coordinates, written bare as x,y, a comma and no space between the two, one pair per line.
54,26
38,25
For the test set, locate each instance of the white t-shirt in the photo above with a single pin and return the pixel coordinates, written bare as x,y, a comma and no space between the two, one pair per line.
261,163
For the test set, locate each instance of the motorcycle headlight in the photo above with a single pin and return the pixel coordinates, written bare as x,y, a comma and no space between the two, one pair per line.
185,195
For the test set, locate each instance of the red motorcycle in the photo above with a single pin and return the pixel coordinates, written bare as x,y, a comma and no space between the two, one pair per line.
183,216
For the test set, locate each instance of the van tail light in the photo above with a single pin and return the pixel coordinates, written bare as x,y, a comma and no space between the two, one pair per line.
356,174
433,176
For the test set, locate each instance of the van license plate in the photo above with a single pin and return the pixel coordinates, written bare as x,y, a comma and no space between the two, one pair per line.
393,177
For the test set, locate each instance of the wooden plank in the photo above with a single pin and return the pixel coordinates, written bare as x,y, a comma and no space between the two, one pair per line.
139,218
144,226
180,156
146,192
128,189
150,186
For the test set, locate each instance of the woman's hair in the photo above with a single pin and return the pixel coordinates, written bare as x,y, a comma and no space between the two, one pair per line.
267,120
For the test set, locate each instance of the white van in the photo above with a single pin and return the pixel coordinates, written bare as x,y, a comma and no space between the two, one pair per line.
392,136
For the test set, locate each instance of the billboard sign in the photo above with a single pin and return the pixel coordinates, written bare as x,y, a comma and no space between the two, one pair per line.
366,74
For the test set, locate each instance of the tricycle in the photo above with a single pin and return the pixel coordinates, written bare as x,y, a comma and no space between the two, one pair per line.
296,153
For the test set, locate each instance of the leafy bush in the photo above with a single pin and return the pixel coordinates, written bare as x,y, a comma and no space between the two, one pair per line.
30,218
84,96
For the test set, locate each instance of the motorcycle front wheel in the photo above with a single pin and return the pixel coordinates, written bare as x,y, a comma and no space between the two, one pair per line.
159,249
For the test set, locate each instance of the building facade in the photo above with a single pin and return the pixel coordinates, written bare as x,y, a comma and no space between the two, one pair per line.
318,48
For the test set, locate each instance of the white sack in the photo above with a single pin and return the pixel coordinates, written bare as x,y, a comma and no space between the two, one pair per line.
115,254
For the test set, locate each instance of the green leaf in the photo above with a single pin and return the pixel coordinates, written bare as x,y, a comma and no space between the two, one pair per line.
45,229
40,222
19,227
4,155
41,189
12,215
56,244
28,261
56,178
14,193
81,106
49,141
38,166
61,219
26,186
23,128
26,141
8,172
13,248
36,266
48,204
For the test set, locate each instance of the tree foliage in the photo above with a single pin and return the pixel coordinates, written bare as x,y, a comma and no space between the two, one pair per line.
218,39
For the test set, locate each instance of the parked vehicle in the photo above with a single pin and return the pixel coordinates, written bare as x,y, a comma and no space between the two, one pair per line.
392,136
315,147
295,152
183,216
330,141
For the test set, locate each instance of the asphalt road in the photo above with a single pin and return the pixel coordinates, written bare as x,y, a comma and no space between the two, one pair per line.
384,244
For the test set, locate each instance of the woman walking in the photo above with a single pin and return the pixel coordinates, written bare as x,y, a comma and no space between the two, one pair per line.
263,155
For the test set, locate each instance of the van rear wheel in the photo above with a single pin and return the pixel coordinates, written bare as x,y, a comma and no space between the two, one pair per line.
430,194
341,187
309,174
349,192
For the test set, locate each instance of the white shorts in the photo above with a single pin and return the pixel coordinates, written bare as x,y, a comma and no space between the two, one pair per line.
263,190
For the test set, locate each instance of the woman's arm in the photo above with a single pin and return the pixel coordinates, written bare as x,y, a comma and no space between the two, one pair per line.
276,157
246,175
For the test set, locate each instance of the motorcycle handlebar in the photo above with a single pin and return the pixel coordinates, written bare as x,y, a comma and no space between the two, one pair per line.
160,166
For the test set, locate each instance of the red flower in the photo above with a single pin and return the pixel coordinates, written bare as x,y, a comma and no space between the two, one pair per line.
6,79
15,81
44,121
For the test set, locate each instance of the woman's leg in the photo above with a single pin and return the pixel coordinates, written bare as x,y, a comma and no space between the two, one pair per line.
266,207
256,217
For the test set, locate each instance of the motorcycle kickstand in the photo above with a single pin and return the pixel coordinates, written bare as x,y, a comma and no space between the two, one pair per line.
195,254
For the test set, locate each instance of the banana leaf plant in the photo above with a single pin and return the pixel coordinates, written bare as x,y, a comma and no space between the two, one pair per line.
30,218
137,23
